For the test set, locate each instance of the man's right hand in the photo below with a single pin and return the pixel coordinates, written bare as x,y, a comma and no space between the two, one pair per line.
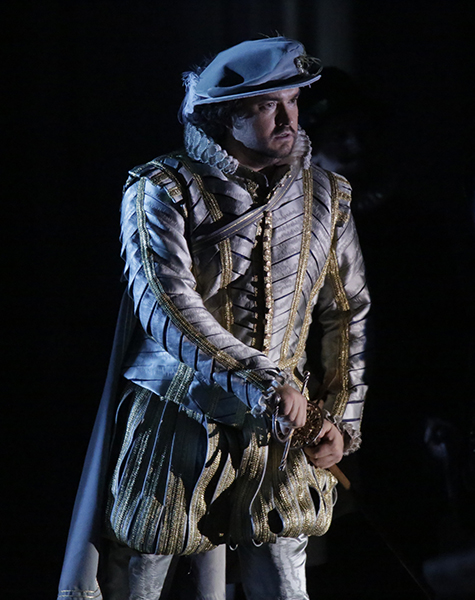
292,407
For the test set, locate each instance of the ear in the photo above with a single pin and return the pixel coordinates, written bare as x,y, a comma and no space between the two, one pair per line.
236,122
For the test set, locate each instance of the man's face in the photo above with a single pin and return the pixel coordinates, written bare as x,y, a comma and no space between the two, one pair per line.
267,129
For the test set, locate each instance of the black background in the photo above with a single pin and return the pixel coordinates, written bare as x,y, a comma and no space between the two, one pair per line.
92,89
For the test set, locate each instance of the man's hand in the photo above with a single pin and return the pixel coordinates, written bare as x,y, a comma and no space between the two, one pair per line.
292,407
328,449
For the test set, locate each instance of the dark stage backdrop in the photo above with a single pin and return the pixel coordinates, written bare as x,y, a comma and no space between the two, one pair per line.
93,89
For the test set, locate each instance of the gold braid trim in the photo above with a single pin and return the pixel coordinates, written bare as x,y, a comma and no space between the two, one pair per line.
259,487
121,506
323,482
175,518
268,293
303,261
224,246
279,487
173,528
291,362
301,495
264,503
172,312
198,505
84,595
343,355
180,383
172,515
165,178
294,502
284,500
151,491
252,468
222,465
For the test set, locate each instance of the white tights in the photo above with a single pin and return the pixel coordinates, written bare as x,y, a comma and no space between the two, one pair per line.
268,572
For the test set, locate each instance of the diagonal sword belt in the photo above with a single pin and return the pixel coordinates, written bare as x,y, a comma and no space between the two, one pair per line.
249,217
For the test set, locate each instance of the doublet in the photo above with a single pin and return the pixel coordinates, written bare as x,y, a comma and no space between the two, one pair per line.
223,304
220,321
237,323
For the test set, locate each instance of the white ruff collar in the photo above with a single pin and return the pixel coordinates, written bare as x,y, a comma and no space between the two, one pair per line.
204,149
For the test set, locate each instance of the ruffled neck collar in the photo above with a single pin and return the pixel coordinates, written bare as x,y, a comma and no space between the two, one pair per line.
204,149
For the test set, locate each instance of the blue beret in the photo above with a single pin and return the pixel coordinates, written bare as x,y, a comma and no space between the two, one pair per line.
250,69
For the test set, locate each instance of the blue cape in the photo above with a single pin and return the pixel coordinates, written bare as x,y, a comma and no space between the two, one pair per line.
79,573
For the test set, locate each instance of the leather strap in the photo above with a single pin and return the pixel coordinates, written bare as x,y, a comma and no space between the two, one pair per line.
249,217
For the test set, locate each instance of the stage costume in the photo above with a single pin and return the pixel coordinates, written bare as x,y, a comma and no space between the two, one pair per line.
226,269
218,326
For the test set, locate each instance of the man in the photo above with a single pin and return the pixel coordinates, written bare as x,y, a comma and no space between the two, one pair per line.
230,246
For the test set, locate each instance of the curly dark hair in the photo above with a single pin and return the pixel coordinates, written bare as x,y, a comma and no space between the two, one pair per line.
215,119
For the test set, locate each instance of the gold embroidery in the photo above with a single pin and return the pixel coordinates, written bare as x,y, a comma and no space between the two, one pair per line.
139,487
177,519
159,178
256,338
224,246
282,489
119,502
343,355
252,187
323,482
289,494
251,471
268,295
86,594
291,362
198,505
303,260
142,485
264,501
173,528
305,502
339,178
174,521
180,383
167,179
173,312
343,195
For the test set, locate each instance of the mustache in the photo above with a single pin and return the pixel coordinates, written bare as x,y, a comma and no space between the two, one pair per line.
284,129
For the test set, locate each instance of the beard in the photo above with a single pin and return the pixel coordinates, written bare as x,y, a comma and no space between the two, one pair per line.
263,149
283,149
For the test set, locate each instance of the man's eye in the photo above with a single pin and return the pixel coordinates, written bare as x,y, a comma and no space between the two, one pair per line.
267,106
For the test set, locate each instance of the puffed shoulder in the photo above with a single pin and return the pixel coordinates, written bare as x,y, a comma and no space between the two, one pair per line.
335,185
161,172
343,190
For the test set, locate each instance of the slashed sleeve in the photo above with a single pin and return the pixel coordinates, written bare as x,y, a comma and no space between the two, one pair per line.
158,269
342,310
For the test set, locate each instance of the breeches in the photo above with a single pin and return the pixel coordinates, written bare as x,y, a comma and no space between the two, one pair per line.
268,572
222,486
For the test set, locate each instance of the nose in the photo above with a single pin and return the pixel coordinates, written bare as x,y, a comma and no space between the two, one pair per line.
283,116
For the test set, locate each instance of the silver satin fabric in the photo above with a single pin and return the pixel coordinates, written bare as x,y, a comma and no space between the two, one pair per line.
268,572
192,283
275,571
129,575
